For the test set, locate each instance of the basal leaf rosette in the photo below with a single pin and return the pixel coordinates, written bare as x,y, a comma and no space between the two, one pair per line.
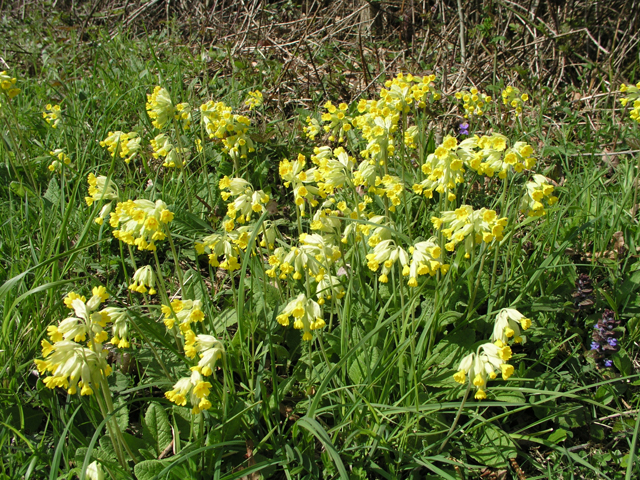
141,222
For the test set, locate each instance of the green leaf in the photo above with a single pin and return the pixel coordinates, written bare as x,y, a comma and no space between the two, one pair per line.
157,429
148,469
362,366
572,415
316,429
559,435
495,447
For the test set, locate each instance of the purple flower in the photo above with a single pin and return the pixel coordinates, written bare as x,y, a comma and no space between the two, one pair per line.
612,341
595,346
608,363
464,128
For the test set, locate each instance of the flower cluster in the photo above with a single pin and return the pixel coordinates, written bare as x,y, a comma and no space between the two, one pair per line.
254,99
159,107
209,350
7,85
75,356
144,280
539,192
162,147
61,158
473,101
307,315
490,154
141,222
492,357
336,121
246,200
100,188
633,95
126,144
231,129
52,115
605,338
470,226
514,98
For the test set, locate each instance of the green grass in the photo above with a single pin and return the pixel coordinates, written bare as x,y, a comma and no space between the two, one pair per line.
373,395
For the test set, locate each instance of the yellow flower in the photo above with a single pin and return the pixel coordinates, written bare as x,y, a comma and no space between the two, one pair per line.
52,115
159,107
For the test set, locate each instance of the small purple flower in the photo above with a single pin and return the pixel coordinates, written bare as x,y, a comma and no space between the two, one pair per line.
612,341
608,363
464,128
595,346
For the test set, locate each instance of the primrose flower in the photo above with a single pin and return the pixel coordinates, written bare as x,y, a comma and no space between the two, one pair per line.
184,312
141,222
404,91
52,115
7,85
94,471
507,326
337,121
633,95
162,147
210,350
71,364
217,245
470,226
254,99
61,159
313,128
100,188
183,114
126,144
334,171
473,101
194,388
159,107
484,364
443,170
247,200
385,254
514,98
426,259
489,155
307,316
120,327
539,192
144,278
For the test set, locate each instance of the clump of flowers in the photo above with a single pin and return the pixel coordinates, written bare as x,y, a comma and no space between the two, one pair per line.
141,222
492,357
144,280
209,350
233,130
443,170
162,147
7,84
100,188
126,144
247,200
254,99
75,356
539,193
478,367
336,121
605,338
633,96
307,316
61,158
52,115
159,107
514,98
470,226
473,101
